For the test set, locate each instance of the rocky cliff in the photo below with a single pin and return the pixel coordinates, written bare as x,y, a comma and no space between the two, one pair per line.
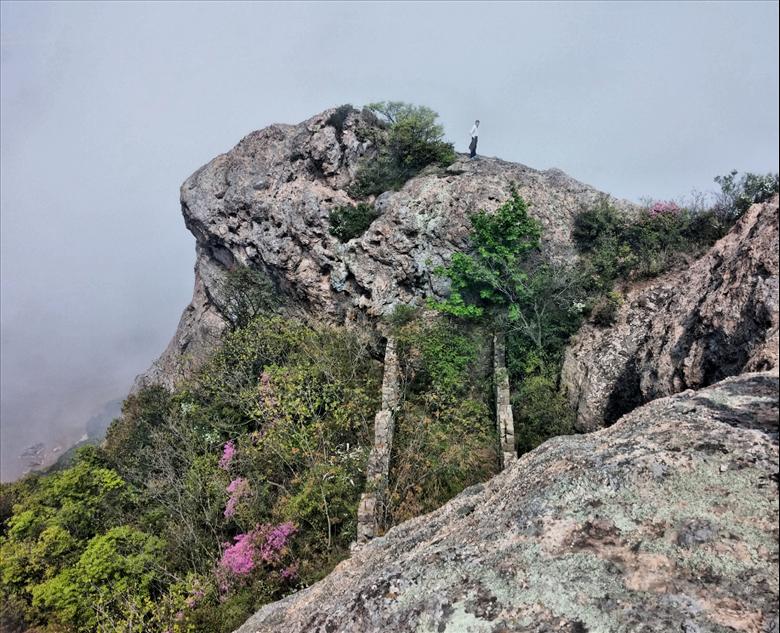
266,204
666,521
687,329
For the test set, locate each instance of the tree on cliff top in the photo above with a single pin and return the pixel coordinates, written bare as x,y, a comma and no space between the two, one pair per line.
410,140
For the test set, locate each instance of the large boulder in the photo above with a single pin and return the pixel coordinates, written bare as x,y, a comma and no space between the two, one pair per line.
684,330
266,204
666,521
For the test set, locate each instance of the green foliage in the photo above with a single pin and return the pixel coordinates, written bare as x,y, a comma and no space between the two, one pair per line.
350,221
539,305
246,293
57,564
618,245
93,591
445,434
737,194
492,276
605,310
131,536
408,140
541,411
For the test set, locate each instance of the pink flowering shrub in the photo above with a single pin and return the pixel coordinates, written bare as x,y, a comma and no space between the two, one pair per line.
275,541
265,546
236,489
228,452
239,558
663,208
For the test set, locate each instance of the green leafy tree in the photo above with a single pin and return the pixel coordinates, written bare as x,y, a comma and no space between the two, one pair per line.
408,139
738,193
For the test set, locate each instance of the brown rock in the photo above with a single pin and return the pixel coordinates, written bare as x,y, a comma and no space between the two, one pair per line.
684,330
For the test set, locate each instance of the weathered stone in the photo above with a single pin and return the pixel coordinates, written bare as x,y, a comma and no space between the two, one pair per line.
266,203
378,467
687,329
504,416
585,533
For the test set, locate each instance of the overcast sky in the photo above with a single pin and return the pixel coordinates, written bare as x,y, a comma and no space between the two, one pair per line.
106,108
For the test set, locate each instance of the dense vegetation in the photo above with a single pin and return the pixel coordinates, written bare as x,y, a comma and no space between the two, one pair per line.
445,435
503,282
204,503
407,139
242,484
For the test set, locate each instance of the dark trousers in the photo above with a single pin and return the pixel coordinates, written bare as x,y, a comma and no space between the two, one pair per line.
473,147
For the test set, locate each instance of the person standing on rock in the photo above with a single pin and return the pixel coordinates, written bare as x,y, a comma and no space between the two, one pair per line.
474,137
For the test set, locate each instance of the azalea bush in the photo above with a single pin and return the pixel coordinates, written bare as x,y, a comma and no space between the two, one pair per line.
205,503
622,245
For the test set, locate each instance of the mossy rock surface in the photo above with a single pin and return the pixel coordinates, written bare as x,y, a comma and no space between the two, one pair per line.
666,521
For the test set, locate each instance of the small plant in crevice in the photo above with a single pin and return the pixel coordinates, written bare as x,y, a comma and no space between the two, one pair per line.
605,310
338,119
350,221
244,294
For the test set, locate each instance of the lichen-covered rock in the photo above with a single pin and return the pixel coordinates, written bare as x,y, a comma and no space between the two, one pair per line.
684,330
666,521
266,204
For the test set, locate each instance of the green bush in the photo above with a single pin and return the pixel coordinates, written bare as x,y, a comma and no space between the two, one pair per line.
131,536
445,438
737,194
351,221
541,412
246,293
619,245
407,140
605,311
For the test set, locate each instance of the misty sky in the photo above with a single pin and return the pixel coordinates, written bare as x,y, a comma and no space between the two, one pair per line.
107,108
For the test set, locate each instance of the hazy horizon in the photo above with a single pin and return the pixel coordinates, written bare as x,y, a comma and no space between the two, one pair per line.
107,108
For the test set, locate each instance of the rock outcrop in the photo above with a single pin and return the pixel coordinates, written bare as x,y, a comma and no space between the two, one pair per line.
666,521
266,204
684,330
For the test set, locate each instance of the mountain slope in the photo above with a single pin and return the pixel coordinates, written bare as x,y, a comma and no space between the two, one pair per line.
666,521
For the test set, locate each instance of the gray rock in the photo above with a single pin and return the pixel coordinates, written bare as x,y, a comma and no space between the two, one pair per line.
578,536
266,203
687,329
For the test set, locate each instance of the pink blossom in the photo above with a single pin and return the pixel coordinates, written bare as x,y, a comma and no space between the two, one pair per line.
236,489
291,571
239,557
661,207
275,541
228,451
264,544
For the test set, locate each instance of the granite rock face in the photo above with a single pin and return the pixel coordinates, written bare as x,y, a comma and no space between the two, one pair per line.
684,330
266,204
666,521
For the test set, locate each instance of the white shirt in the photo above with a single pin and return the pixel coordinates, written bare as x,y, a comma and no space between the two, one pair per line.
474,130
